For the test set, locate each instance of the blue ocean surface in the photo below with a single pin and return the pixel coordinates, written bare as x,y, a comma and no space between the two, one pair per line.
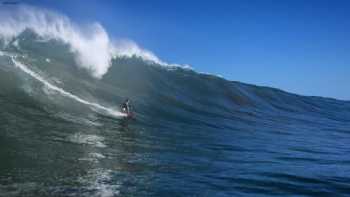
193,134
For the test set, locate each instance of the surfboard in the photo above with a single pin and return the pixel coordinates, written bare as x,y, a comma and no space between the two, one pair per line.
130,115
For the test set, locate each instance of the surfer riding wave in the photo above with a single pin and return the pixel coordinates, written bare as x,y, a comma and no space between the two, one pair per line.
125,107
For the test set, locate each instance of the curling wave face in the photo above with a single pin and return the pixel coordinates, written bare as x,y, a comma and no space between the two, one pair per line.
91,44
194,134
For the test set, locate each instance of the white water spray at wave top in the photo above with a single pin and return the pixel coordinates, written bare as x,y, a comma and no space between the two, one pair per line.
63,92
91,45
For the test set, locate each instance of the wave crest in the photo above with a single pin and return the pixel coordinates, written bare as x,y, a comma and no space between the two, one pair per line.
91,44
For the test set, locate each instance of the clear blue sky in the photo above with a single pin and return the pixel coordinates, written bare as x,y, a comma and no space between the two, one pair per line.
301,46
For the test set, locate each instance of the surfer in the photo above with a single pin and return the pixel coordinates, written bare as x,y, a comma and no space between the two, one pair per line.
126,106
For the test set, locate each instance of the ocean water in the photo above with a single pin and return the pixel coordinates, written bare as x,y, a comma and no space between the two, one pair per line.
61,132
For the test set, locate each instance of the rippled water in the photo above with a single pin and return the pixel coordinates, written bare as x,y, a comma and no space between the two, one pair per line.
194,135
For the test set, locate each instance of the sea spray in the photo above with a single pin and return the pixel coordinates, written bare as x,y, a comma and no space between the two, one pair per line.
91,45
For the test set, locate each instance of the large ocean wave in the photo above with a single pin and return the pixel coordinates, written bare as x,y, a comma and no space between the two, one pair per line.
61,132
92,46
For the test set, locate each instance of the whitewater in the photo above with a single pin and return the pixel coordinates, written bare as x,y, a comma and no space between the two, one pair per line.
92,46
63,92
195,134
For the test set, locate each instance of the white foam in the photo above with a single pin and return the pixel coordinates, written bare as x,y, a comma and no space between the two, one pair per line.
128,48
52,87
97,155
93,140
15,43
91,44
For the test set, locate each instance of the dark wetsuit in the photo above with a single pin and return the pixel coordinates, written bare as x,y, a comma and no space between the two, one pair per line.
125,107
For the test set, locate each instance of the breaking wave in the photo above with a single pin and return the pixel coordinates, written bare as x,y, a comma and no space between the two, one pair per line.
194,134
92,46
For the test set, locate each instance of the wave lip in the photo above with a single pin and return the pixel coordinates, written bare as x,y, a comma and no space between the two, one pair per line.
92,46
89,44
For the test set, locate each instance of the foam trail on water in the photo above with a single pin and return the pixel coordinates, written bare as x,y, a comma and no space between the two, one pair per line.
63,92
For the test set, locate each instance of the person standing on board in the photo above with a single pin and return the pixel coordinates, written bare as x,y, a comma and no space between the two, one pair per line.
126,106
